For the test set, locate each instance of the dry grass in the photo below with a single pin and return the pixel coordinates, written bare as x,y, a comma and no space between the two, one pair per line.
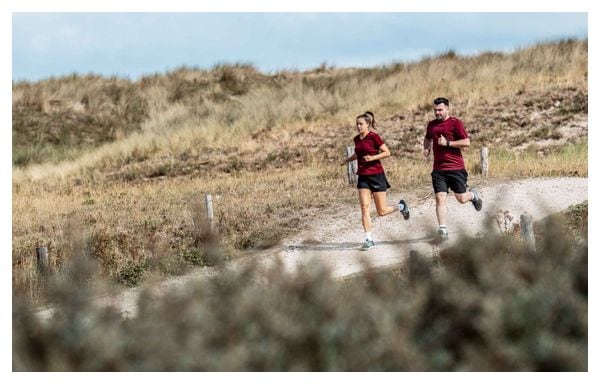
145,153
157,226
191,111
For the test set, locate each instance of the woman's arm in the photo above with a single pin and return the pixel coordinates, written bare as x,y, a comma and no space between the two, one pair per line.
383,153
351,158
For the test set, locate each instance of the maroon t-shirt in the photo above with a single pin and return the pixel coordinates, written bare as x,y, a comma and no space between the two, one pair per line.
369,145
446,158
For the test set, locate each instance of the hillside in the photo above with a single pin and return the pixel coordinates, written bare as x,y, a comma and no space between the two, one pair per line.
192,121
117,169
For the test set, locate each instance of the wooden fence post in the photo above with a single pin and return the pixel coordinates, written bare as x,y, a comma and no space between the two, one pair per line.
42,258
484,161
208,201
352,167
527,230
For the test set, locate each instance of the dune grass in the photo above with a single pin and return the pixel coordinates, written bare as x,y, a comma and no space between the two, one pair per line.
141,155
157,227
190,111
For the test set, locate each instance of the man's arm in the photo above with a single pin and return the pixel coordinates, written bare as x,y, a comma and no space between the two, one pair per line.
462,143
427,146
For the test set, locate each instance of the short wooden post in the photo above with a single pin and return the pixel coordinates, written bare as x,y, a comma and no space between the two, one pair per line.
352,167
527,230
208,201
484,161
42,258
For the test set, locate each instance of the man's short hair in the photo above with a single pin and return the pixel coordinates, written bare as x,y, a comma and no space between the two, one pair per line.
441,100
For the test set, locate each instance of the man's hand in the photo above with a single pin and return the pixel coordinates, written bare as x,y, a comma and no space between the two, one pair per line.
443,141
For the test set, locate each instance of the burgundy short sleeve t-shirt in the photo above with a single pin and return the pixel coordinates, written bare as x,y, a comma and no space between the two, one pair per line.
446,158
368,146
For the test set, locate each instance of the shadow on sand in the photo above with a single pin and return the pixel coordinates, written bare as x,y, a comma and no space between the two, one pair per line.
345,246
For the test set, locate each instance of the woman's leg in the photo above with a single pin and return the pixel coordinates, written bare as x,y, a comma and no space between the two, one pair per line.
364,195
380,203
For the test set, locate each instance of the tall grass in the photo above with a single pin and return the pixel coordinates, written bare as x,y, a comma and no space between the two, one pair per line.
156,227
213,111
146,152
569,160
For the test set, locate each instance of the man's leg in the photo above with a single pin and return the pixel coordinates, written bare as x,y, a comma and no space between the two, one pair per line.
441,209
470,196
464,197
458,183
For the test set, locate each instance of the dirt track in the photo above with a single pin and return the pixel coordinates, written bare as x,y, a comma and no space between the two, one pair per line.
335,240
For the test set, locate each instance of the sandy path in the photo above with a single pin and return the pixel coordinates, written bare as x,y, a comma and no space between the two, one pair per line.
335,240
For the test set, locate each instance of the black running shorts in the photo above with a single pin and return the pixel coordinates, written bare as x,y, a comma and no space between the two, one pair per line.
455,180
376,183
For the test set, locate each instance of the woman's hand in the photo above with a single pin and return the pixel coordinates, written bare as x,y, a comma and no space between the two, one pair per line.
350,159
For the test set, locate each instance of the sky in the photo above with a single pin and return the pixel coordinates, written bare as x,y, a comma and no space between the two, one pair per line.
132,45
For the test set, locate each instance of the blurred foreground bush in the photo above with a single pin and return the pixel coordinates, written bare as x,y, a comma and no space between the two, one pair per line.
488,305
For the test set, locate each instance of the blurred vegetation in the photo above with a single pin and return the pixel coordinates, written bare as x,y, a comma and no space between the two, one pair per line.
490,304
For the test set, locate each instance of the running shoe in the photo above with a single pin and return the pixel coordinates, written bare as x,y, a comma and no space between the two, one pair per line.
367,245
406,211
442,233
477,203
